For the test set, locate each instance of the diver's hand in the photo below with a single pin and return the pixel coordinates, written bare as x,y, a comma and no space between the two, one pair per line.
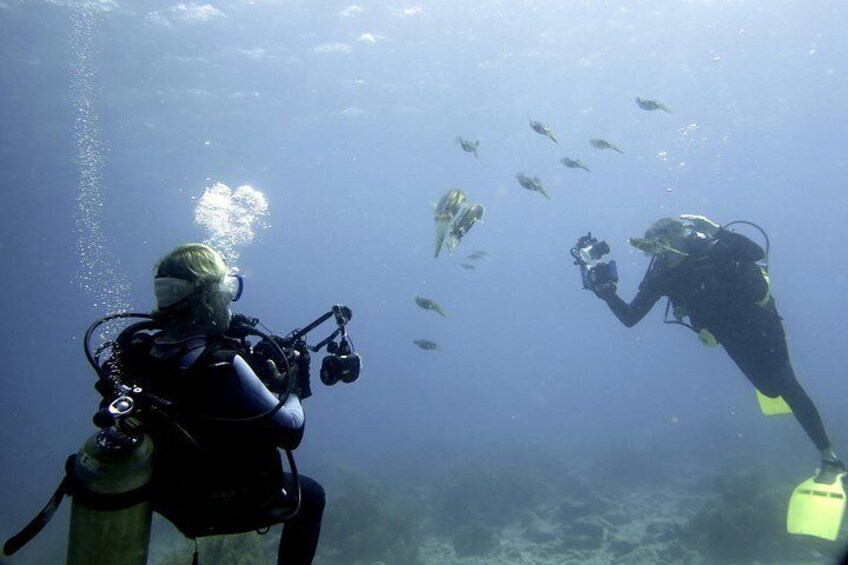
241,326
701,223
296,379
604,291
277,382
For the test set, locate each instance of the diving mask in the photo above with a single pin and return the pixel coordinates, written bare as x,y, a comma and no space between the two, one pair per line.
170,291
647,246
654,247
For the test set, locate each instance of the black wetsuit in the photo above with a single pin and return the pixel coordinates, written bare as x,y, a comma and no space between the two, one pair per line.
720,287
214,476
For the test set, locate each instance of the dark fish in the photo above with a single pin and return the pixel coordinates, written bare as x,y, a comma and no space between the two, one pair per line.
468,146
604,144
543,129
427,345
651,105
428,304
533,184
574,164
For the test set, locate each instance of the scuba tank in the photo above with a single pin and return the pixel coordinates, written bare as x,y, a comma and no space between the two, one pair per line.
109,479
109,482
111,512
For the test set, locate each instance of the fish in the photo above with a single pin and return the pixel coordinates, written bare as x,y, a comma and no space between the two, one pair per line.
533,184
543,129
468,266
427,345
428,304
604,144
651,105
469,146
463,223
451,202
574,164
447,208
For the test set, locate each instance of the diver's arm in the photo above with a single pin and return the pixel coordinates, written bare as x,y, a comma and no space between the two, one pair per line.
735,246
287,423
292,415
630,314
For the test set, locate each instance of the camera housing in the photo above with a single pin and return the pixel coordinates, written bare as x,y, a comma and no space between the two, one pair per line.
600,274
587,254
596,250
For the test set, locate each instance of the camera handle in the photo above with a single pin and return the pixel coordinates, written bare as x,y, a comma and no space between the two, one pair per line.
327,340
343,315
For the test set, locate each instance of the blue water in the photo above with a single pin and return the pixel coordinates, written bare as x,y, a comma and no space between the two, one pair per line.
344,116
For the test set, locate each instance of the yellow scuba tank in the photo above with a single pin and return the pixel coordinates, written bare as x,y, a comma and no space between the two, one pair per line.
111,511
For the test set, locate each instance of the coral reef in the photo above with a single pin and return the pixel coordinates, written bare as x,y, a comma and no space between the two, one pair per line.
474,540
484,494
478,510
363,525
745,521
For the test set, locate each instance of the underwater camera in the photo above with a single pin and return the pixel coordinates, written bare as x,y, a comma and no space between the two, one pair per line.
342,363
587,254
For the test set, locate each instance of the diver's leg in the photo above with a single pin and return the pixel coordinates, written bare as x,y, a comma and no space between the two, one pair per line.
805,411
300,534
772,374
808,416
766,364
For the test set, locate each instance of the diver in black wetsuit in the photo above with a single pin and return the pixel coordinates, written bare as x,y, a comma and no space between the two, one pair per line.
712,277
217,469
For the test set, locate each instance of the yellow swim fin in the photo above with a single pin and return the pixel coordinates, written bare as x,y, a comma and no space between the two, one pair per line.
816,509
773,406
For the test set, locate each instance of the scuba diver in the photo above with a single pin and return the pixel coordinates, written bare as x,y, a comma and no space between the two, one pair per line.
712,276
230,476
192,419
